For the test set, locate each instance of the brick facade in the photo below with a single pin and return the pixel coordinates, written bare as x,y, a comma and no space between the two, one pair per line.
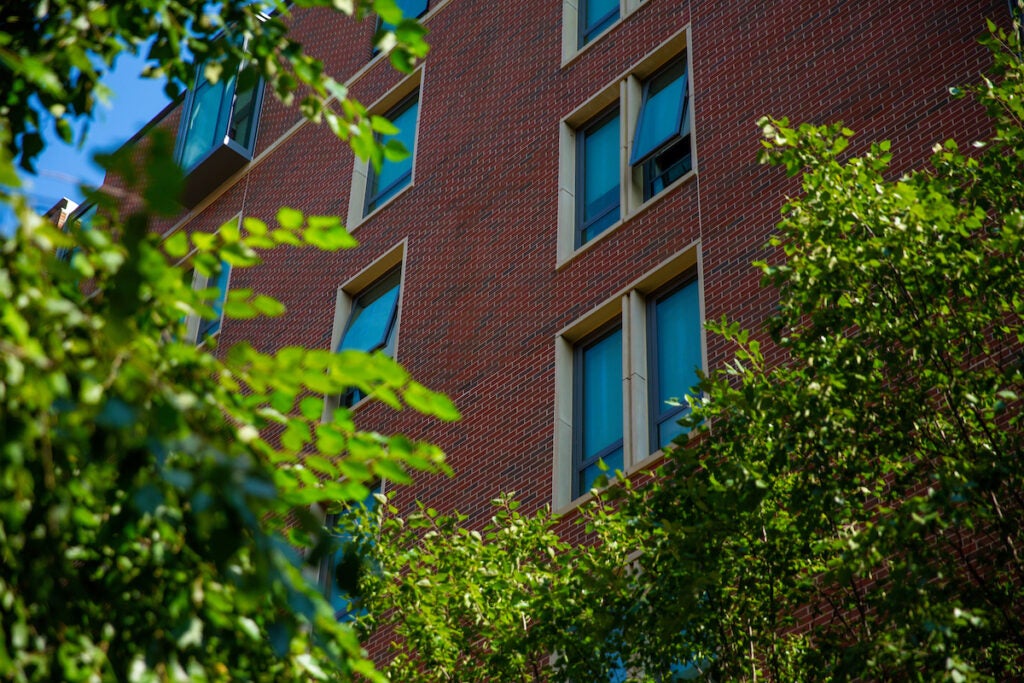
483,297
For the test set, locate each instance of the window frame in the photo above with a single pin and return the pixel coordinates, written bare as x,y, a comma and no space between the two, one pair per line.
573,30
582,224
225,115
627,93
627,309
378,197
579,463
361,168
347,293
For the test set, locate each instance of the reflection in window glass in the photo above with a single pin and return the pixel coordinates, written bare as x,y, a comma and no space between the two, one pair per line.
598,177
599,408
394,175
595,17
674,320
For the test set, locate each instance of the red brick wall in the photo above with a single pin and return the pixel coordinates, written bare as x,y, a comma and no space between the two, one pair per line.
482,300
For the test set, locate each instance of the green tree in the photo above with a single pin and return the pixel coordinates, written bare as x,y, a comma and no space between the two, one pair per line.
855,511
155,495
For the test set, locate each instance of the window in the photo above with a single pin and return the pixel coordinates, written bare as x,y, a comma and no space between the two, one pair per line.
339,569
217,136
586,20
625,147
661,147
597,176
595,16
411,9
394,175
372,323
597,366
215,111
368,313
373,189
202,326
673,351
620,370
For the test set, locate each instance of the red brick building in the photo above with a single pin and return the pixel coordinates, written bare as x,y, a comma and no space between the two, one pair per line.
578,185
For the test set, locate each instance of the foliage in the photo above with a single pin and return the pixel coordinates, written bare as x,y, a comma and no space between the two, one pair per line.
53,54
154,493
855,512
513,601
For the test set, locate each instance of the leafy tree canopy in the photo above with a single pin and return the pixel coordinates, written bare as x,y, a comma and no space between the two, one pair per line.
155,496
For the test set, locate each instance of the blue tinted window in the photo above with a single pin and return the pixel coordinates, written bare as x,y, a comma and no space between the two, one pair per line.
662,141
394,175
674,356
371,324
595,17
598,177
599,411
207,117
662,113
411,9
212,326
345,607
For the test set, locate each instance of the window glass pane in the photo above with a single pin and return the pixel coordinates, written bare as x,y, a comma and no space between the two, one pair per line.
595,17
208,327
340,599
661,113
589,474
394,175
371,323
205,130
242,115
600,158
677,345
411,9
602,395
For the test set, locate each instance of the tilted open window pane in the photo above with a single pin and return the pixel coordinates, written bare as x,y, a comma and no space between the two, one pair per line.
209,327
674,356
598,177
662,142
371,325
595,17
207,119
394,175
411,9
662,118
598,407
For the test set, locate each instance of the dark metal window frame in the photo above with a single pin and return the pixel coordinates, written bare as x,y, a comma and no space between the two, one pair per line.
578,462
375,199
671,144
582,225
600,26
658,413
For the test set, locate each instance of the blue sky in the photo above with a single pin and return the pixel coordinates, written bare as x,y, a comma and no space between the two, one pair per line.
62,168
